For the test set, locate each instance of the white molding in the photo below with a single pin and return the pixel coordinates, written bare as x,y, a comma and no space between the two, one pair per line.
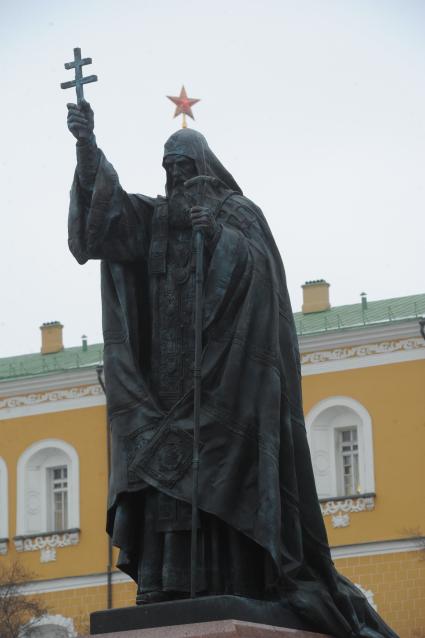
340,520
73,482
72,398
49,381
74,582
365,434
47,544
4,504
349,336
353,348
404,351
355,504
378,548
340,509
389,346
344,551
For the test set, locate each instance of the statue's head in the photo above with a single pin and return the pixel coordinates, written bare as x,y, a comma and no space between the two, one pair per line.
181,158
187,154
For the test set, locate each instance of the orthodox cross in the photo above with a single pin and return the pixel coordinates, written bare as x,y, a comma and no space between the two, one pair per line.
183,105
77,64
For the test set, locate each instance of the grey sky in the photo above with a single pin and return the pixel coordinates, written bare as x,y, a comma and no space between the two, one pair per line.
317,107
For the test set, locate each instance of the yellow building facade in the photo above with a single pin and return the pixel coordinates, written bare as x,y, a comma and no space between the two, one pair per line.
363,371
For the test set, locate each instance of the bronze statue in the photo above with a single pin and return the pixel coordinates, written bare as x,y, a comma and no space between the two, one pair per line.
260,530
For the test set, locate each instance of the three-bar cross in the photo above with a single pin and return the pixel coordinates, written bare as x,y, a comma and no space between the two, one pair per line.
79,80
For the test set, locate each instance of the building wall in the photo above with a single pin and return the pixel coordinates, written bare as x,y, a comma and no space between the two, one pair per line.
396,580
85,430
392,393
395,399
79,603
398,585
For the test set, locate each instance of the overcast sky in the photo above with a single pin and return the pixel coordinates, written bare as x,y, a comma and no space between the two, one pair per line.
317,107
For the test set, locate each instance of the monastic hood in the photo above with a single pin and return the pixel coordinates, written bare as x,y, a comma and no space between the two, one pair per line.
193,144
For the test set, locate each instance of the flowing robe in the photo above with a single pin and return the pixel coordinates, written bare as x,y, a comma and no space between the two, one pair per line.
255,470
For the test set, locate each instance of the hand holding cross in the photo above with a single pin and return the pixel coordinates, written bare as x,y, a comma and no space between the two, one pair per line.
80,115
80,120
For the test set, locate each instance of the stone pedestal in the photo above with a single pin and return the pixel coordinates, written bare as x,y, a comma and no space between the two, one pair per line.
216,629
197,617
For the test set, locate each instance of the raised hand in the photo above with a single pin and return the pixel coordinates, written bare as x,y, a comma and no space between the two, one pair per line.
80,120
202,216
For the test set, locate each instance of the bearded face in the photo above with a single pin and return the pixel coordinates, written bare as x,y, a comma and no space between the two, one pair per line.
179,169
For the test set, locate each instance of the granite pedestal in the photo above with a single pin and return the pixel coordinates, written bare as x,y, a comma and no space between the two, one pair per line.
189,612
216,629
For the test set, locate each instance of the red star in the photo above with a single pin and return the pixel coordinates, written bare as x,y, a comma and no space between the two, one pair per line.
183,103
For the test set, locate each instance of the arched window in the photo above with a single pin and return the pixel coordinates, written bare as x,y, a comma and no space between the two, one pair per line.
48,488
4,508
339,430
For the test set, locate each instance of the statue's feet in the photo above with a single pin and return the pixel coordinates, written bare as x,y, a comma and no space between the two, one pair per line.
154,597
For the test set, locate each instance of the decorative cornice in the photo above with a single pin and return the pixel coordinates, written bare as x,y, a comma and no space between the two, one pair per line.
69,397
340,509
51,381
383,347
50,397
358,336
46,543
339,360
362,347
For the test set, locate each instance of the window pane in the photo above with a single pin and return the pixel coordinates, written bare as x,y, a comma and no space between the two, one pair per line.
65,510
356,473
347,461
58,498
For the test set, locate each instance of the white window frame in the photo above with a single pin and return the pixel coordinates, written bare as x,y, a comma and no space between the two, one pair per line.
325,419
24,488
51,491
339,454
4,501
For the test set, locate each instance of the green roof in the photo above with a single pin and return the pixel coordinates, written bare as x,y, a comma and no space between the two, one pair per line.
29,365
380,312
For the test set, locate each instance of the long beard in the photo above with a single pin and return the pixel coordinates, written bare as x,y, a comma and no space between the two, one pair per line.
178,210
